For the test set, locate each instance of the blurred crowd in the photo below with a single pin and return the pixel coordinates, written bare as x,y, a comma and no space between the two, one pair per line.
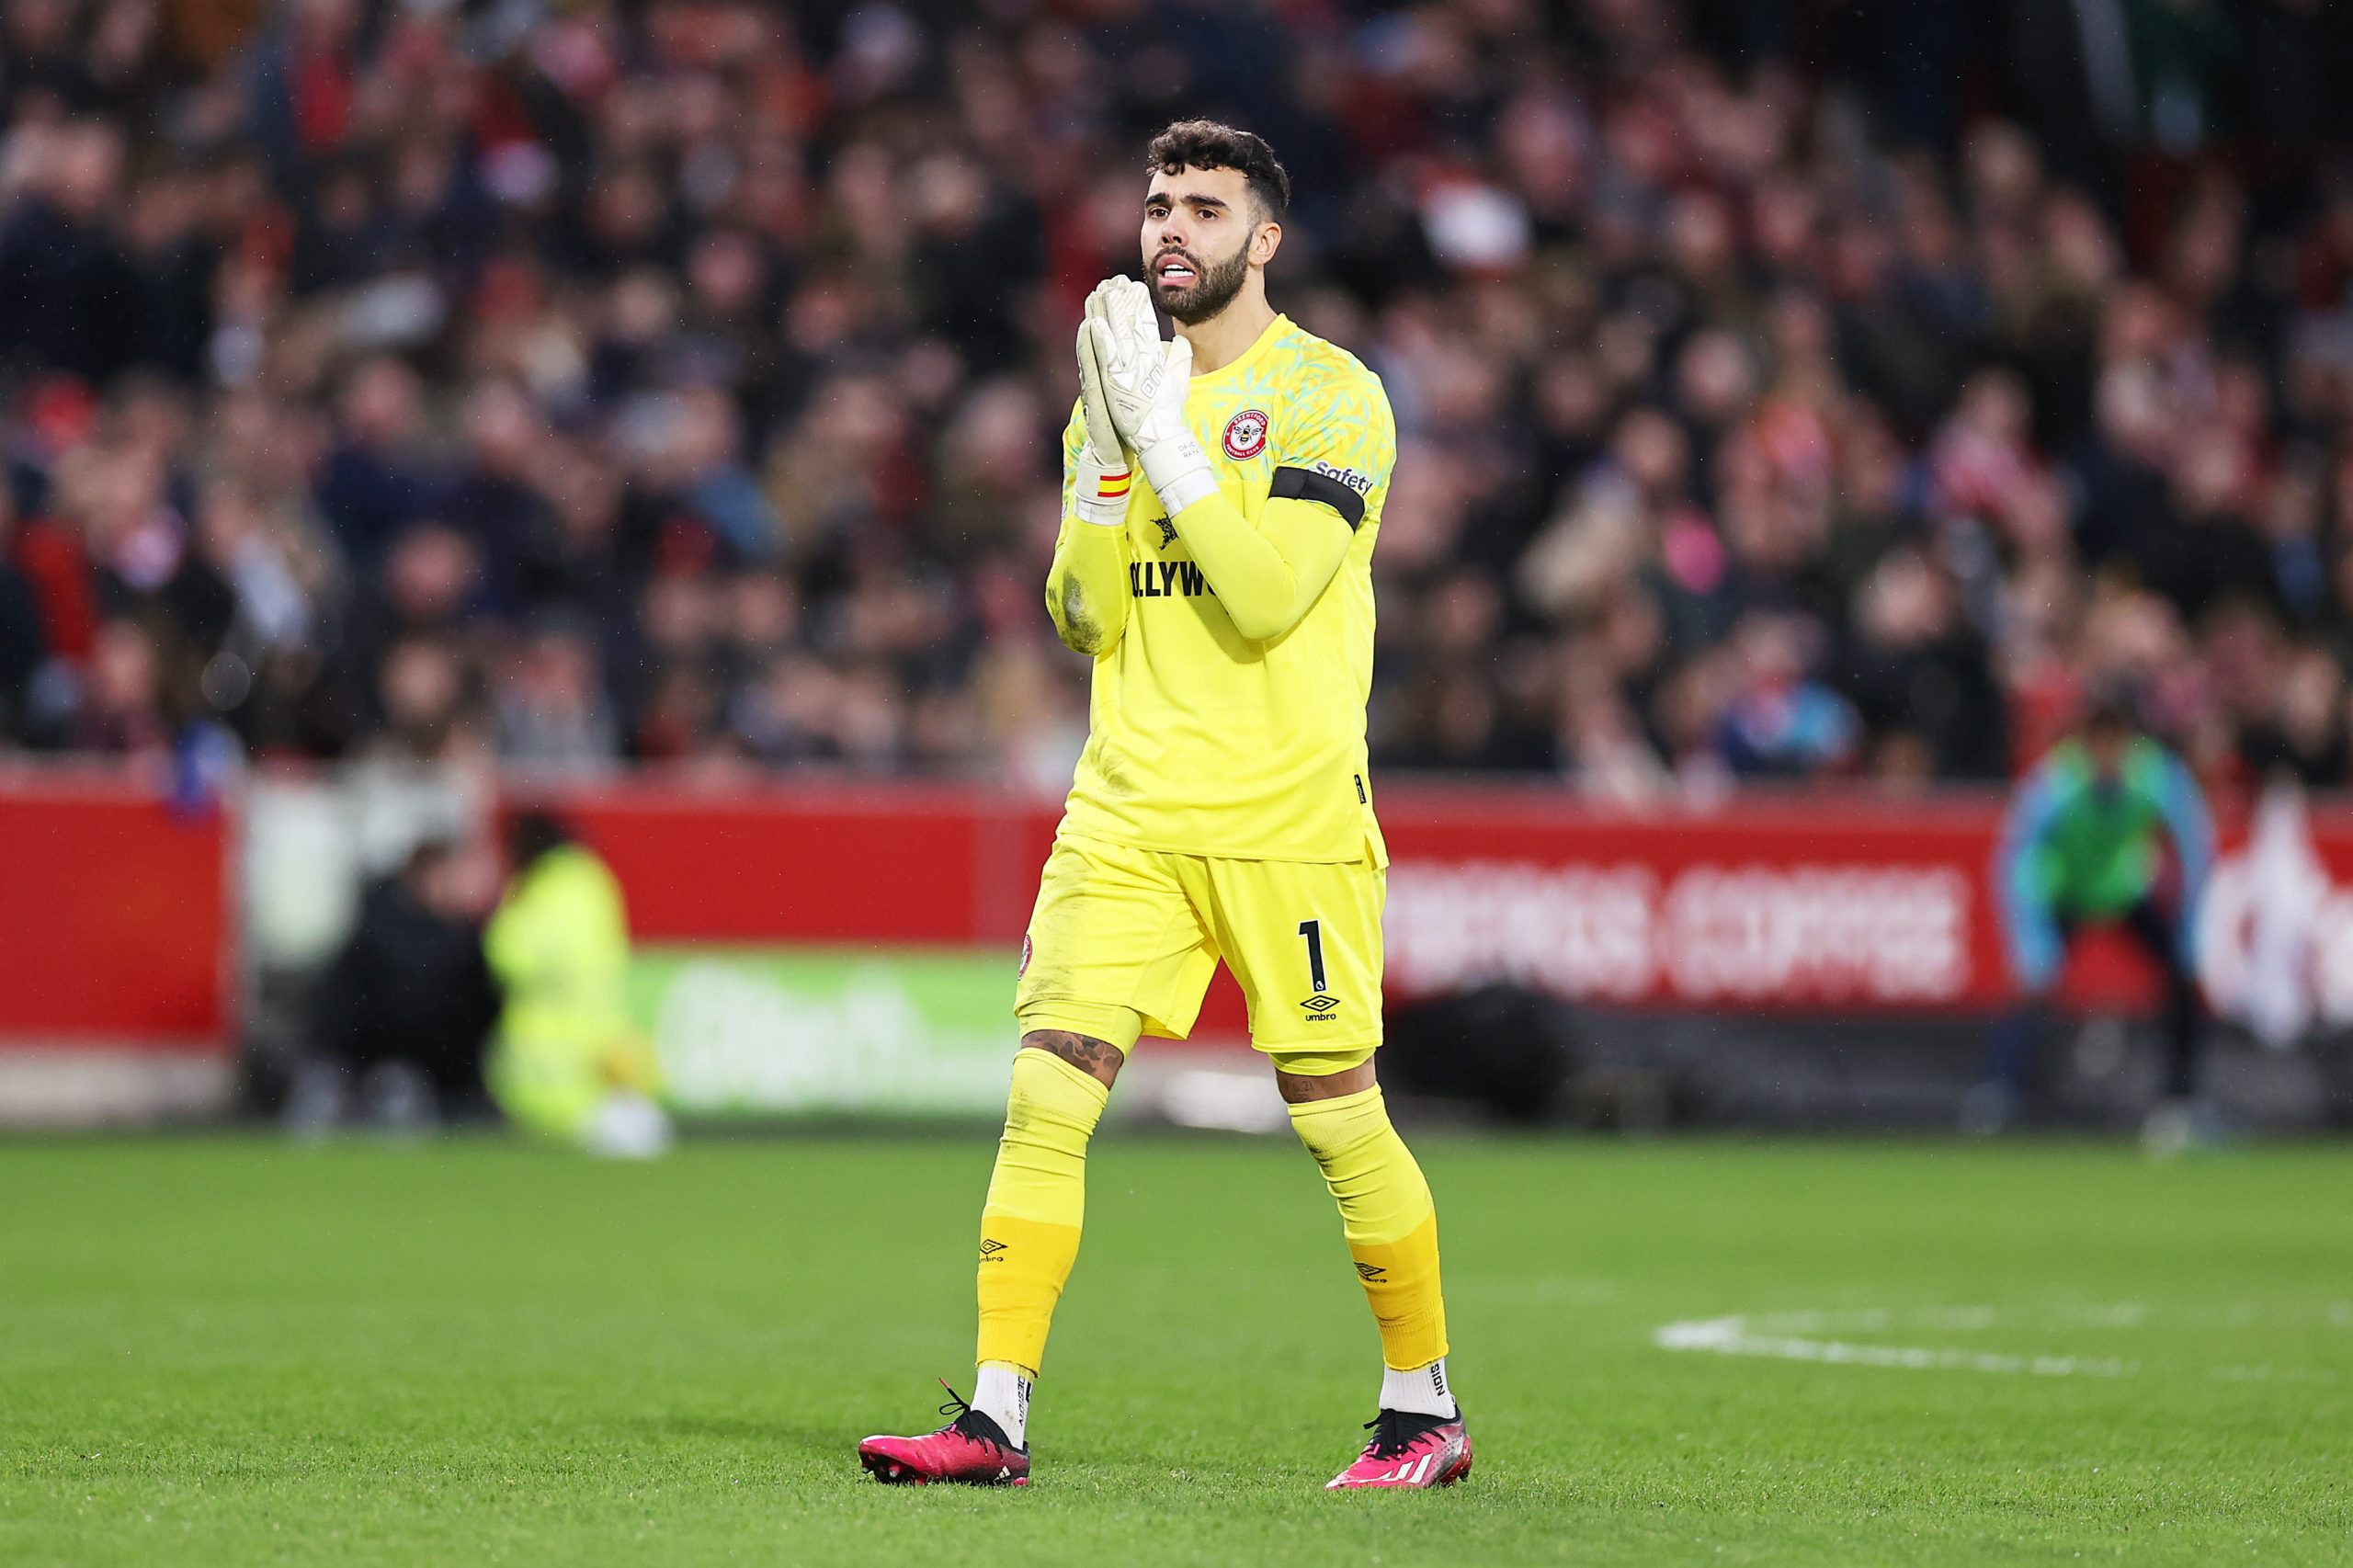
1786,388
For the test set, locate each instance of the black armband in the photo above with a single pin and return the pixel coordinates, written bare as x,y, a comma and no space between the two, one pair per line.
1306,484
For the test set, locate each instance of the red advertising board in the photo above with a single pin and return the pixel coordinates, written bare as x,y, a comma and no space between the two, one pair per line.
116,911
885,861
1789,904
1827,902
1821,902
114,917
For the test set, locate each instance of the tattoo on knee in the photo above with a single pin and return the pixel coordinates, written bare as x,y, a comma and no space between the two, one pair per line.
1097,1058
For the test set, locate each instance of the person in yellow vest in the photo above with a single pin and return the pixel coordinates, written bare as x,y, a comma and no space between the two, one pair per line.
568,1065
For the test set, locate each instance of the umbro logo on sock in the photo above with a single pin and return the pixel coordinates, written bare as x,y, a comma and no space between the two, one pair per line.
1371,1274
989,1249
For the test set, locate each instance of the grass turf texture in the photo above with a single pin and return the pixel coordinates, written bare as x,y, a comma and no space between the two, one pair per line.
223,1351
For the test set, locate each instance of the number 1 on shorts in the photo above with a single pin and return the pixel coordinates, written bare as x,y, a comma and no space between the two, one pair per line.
1313,931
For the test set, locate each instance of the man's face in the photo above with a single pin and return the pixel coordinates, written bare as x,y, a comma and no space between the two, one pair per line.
2106,746
1197,227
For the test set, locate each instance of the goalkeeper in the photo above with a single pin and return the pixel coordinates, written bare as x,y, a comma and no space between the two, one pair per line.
1222,496
2084,845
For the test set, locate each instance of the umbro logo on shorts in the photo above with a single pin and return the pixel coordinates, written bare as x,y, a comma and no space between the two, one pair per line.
1319,1008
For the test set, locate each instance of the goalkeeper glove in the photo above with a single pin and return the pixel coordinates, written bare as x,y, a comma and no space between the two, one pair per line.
1100,491
1144,382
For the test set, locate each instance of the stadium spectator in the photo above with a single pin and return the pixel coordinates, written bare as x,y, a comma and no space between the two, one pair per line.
682,376
22,647
399,1019
375,480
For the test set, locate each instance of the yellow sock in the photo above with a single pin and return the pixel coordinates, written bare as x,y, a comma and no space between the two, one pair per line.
1036,1202
1386,1212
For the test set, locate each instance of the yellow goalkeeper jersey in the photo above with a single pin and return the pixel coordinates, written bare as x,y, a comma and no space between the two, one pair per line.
1202,741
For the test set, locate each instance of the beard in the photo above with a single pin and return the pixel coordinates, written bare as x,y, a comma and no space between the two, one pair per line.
1211,289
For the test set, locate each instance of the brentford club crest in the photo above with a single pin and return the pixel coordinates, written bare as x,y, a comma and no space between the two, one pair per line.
1245,435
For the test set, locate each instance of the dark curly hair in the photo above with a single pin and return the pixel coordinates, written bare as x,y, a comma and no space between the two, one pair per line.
1206,144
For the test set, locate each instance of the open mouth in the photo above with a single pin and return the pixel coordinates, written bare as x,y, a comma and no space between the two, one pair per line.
1174,271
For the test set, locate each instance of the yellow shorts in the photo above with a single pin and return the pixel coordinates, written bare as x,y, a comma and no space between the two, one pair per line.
1144,929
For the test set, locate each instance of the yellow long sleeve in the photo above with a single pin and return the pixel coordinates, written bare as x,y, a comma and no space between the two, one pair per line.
1266,577
1086,587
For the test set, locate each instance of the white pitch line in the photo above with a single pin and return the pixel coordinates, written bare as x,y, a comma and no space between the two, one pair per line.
2266,1373
1733,1336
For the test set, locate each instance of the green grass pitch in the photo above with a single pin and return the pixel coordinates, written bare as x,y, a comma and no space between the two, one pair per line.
226,1351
